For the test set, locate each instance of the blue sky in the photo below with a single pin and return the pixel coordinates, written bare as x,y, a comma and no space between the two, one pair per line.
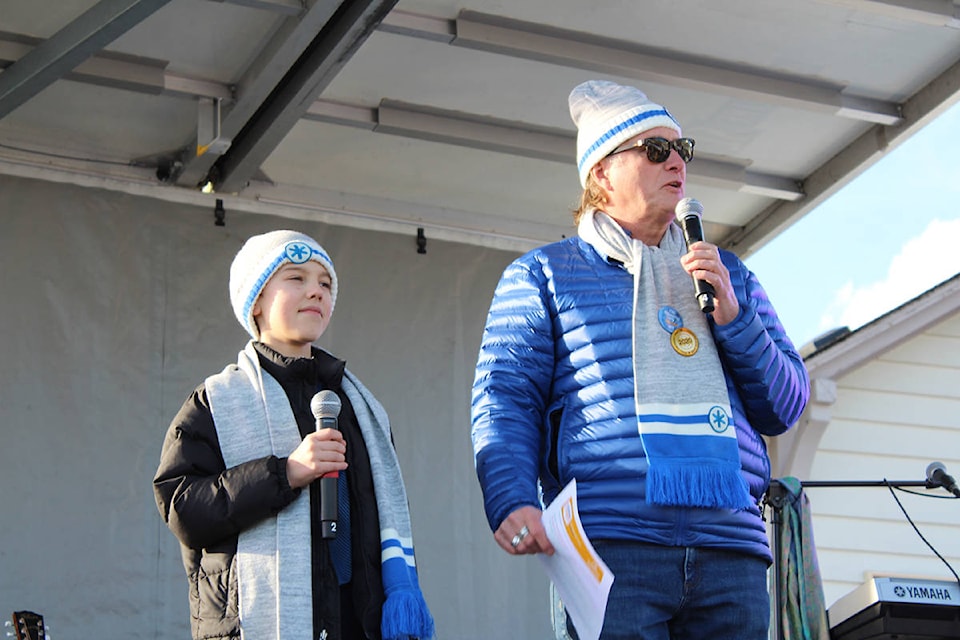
885,238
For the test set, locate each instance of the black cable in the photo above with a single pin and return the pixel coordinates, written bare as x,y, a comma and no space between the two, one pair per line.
907,516
924,495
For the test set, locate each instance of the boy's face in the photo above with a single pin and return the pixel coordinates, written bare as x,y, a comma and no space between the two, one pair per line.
294,308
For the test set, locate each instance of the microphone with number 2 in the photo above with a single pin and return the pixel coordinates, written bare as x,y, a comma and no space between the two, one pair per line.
937,476
325,406
688,212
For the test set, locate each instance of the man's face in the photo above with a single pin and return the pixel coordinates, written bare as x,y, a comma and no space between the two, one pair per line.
646,189
294,308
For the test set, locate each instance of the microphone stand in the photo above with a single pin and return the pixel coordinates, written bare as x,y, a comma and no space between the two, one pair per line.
777,496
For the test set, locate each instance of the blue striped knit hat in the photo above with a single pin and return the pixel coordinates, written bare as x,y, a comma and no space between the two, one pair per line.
257,261
607,115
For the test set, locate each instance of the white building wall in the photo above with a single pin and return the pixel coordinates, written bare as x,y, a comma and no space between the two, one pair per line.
892,417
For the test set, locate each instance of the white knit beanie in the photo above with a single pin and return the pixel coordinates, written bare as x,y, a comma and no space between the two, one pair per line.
257,261
608,114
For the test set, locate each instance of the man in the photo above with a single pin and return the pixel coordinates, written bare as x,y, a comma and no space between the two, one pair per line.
597,364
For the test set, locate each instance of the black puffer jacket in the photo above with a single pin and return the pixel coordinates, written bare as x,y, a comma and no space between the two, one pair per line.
206,506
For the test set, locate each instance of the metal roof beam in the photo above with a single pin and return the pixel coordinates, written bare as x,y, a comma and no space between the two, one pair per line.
285,7
321,61
55,57
260,79
416,25
120,71
578,50
517,138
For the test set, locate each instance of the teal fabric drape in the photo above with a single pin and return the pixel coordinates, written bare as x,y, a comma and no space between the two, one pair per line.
804,615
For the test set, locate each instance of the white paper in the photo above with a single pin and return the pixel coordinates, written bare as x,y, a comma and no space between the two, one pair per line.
579,575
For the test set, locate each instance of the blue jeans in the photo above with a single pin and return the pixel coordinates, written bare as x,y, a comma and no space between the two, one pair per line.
677,593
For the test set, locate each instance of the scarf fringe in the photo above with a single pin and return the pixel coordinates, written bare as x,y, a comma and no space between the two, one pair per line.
405,616
685,483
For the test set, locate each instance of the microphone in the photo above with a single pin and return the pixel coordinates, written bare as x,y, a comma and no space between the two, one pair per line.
325,406
688,212
937,476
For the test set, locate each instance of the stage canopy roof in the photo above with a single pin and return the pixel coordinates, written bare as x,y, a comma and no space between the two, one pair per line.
452,116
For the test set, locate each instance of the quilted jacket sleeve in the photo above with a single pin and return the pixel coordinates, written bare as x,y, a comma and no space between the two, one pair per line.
510,392
202,502
766,369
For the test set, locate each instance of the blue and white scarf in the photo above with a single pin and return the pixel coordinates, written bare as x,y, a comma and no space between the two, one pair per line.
253,419
683,410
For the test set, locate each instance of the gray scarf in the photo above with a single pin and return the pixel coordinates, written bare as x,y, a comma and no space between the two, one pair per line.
254,420
690,442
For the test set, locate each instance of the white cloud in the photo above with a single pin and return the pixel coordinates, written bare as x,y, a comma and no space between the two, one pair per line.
924,262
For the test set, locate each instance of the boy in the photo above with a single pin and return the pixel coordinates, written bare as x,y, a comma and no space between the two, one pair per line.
238,455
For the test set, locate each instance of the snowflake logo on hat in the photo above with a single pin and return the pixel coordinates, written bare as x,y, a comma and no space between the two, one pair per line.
298,252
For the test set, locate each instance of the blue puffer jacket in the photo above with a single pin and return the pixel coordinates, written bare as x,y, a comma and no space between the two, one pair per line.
553,399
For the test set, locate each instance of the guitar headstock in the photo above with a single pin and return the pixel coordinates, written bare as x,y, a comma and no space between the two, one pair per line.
27,625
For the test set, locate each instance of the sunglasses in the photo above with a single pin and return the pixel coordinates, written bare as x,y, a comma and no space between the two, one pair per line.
658,149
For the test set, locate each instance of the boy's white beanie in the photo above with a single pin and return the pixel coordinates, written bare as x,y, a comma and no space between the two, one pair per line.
257,261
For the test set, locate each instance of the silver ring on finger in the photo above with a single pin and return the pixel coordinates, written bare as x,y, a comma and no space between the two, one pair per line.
517,539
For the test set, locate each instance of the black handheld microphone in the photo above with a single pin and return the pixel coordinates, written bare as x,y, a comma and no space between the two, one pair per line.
325,407
688,212
937,476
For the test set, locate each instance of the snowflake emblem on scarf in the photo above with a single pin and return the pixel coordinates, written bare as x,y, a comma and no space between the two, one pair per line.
719,420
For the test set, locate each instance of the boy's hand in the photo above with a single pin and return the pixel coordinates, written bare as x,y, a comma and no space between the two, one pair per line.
319,453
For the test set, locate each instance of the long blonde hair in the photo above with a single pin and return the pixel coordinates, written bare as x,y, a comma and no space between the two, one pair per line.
593,197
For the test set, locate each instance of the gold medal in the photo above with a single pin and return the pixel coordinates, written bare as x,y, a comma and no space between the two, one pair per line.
684,342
